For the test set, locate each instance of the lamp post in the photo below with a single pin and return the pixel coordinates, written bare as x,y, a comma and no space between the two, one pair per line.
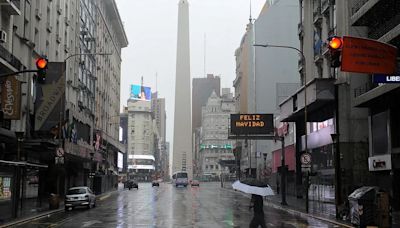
283,167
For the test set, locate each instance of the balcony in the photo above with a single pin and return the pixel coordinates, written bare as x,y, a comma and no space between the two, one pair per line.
369,94
325,4
320,99
317,15
365,11
11,6
9,58
385,27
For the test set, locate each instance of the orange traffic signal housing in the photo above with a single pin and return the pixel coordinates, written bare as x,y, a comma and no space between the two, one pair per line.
335,48
336,43
41,65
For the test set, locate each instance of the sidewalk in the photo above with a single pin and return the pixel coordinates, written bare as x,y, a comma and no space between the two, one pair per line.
317,210
30,212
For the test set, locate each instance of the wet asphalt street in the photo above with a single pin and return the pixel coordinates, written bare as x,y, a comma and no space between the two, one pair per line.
166,206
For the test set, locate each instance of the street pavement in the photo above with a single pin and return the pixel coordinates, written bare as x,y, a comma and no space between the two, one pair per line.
167,206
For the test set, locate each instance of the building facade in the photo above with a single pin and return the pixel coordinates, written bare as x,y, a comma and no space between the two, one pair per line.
66,33
201,91
216,150
160,117
380,100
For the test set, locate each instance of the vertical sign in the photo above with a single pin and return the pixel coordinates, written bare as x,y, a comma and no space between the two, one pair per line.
49,96
11,98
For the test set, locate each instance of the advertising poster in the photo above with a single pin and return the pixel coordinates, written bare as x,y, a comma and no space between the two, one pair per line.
140,93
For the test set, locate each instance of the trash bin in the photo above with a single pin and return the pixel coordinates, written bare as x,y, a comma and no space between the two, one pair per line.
362,206
54,201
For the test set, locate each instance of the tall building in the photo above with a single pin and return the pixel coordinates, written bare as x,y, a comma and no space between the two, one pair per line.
182,146
160,117
260,70
379,100
339,132
141,140
215,149
201,91
271,62
66,33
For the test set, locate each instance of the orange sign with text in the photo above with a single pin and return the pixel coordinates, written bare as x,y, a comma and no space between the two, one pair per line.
368,56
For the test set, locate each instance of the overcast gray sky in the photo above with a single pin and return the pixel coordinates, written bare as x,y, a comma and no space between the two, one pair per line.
151,27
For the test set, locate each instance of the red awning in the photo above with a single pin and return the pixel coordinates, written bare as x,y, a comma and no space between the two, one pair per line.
290,158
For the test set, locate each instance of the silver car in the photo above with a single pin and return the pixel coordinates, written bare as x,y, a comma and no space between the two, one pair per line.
79,196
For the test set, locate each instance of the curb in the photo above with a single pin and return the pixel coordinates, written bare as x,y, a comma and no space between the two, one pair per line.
25,220
44,214
296,212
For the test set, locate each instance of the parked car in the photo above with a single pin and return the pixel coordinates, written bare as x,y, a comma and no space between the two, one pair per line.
132,184
155,183
79,197
194,183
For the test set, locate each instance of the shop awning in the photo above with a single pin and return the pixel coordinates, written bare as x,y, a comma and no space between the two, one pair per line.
22,163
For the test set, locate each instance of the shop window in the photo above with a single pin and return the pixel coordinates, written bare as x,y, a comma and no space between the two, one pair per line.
5,188
395,127
379,133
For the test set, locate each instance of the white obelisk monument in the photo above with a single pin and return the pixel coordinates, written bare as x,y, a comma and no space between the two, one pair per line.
182,148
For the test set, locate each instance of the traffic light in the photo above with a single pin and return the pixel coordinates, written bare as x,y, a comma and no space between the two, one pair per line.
41,65
335,49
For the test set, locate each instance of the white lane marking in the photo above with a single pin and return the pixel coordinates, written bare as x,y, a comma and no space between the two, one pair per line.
89,223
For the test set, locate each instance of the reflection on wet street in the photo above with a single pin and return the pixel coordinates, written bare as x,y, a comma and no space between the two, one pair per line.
168,206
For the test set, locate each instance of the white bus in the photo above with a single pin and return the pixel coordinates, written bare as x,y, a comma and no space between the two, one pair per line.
141,167
180,178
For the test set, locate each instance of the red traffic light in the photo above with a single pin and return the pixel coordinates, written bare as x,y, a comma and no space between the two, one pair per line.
335,43
41,63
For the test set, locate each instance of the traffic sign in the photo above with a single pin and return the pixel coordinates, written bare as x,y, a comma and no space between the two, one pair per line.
305,159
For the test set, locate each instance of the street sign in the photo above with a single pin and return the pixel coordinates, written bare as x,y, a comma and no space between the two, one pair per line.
252,124
381,78
305,159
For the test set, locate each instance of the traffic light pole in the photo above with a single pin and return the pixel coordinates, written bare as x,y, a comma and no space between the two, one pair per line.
18,72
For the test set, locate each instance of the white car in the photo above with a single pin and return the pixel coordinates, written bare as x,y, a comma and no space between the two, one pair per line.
79,196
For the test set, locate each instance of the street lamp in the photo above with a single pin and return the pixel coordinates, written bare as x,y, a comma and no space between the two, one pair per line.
283,167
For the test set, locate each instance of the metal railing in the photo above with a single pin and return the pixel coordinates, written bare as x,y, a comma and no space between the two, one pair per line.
377,32
357,4
10,58
358,91
17,3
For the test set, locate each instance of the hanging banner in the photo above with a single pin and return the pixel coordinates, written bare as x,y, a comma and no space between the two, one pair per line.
368,56
11,98
48,103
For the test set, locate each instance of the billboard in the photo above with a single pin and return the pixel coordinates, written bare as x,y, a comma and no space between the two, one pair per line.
368,56
252,124
139,92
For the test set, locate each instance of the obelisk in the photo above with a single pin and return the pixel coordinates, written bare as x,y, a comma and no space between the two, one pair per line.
182,148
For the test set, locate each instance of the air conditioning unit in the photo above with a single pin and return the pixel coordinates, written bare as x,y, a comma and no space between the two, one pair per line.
3,36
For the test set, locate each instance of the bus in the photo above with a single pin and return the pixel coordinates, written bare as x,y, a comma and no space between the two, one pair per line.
180,178
141,167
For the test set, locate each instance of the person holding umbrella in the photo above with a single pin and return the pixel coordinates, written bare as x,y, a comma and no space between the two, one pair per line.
258,190
258,207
